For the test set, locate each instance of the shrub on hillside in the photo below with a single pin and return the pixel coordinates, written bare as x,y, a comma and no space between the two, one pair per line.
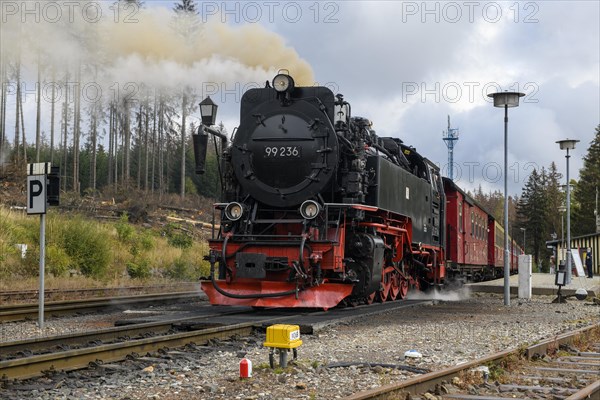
125,232
88,246
178,239
139,269
57,260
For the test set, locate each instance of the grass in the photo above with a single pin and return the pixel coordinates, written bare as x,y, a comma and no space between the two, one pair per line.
85,253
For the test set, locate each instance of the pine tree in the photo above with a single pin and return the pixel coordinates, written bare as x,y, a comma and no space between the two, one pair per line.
186,6
186,21
555,199
584,195
531,213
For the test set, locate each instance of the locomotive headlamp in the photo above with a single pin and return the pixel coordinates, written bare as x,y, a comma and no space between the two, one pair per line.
283,83
234,211
310,209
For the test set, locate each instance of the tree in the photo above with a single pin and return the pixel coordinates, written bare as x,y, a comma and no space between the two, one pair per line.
584,194
555,199
186,21
185,6
531,212
3,94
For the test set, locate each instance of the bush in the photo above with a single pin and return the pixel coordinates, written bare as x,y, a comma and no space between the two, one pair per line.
190,266
57,260
180,240
139,270
88,246
146,241
125,232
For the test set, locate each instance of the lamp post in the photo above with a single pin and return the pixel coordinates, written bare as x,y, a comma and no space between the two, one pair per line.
568,144
524,232
506,100
562,210
208,113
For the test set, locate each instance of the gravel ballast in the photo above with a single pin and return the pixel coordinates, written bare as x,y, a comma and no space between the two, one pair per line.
446,333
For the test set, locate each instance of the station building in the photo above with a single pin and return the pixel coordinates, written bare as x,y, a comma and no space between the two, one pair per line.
580,244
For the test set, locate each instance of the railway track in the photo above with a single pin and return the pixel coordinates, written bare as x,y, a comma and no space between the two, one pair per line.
34,357
20,312
31,358
23,296
556,368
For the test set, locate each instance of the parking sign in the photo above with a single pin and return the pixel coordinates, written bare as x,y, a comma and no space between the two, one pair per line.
36,194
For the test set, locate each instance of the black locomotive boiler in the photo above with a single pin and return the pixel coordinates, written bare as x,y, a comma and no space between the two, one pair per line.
317,209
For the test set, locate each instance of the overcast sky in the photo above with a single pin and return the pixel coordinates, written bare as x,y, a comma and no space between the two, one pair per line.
408,65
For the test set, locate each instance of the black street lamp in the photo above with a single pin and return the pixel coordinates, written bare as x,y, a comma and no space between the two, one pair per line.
208,112
506,100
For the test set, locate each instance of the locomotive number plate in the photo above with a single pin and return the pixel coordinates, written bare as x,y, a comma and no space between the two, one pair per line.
282,152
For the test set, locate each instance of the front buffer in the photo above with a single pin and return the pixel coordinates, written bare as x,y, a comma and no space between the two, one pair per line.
255,293
285,271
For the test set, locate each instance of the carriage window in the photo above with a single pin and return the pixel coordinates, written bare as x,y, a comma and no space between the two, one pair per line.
472,224
460,217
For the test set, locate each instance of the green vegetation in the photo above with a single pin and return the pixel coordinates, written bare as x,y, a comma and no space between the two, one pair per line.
584,196
96,250
538,208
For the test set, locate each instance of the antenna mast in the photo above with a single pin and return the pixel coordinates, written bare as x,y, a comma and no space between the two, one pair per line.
450,137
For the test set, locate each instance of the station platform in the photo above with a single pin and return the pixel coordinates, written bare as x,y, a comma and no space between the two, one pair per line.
542,284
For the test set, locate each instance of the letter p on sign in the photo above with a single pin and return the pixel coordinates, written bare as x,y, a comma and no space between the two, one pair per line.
36,194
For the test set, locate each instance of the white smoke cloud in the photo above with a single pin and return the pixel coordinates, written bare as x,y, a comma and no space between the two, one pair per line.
158,50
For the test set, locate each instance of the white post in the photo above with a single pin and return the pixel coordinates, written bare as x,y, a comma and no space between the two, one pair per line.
42,268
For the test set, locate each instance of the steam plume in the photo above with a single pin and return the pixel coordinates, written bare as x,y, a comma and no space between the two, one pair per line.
157,50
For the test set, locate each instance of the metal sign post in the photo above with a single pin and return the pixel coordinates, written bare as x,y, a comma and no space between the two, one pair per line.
36,204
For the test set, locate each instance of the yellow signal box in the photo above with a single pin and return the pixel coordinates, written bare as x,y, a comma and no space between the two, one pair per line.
282,338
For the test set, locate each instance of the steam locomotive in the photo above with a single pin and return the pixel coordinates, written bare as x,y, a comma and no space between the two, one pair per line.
318,210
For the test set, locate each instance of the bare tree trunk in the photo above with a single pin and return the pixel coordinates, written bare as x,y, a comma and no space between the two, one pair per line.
167,160
119,135
4,82
154,144
139,149
146,132
52,116
94,148
65,131
17,113
111,129
77,131
24,139
38,111
161,143
183,117
126,147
